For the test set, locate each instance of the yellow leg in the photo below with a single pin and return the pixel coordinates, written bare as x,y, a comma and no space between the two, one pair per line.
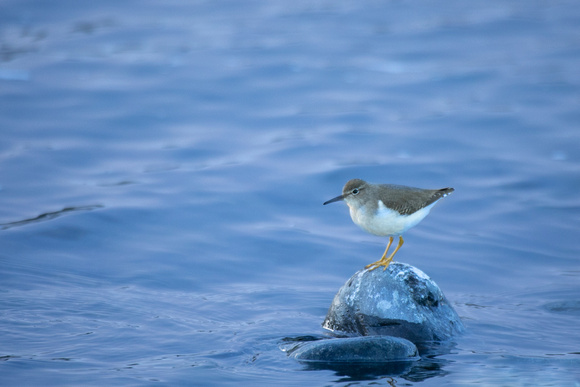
390,259
386,261
377,263
387,249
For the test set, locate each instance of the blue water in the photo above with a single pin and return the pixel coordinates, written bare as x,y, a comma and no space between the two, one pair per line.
163,167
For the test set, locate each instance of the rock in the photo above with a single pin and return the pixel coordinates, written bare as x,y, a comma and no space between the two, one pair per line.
375,349
401,301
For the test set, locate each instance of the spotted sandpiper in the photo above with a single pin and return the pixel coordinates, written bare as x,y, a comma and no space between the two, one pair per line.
388,210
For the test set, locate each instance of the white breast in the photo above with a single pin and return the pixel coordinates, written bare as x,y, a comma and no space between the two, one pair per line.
387,222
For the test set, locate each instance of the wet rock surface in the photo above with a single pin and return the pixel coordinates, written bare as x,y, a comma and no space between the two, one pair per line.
370,349
400,301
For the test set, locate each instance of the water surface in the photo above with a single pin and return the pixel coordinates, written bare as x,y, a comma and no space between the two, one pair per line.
163,168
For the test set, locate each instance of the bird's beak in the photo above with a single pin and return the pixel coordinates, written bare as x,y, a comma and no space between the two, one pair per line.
336,199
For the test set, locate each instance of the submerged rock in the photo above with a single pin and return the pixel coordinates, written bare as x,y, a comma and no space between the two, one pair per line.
357,350
400,301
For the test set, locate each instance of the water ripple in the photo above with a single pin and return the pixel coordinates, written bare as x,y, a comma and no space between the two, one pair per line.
49,216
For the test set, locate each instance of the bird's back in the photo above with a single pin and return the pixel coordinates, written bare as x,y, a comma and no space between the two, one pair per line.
407,200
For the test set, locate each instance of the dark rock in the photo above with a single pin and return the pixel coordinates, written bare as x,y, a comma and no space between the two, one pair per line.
375,349
401,301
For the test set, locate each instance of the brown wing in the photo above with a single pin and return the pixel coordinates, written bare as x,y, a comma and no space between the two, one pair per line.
407,200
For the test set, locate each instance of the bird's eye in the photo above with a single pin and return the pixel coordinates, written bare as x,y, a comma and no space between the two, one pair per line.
355,191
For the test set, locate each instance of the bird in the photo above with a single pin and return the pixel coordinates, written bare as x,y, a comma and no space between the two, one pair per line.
388,210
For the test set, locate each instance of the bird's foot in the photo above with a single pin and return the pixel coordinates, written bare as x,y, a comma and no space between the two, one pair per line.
375,265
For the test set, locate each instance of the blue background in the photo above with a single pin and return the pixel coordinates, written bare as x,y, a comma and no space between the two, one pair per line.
163,166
